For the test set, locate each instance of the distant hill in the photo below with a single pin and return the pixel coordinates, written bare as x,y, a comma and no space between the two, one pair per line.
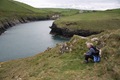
89,22
10,5
10,8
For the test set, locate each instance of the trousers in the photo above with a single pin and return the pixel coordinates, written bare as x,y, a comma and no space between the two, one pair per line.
88,56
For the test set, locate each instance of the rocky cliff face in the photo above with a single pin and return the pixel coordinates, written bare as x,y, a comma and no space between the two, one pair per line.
5,24
67,33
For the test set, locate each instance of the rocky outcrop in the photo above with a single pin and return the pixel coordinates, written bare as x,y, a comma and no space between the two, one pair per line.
67,33
7,23
65,48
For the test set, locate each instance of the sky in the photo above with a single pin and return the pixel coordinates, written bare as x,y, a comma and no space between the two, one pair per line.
76,4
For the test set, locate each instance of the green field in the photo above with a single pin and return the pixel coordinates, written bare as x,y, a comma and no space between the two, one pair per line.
94,21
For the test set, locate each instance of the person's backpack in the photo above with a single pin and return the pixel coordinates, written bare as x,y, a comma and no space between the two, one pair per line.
96,52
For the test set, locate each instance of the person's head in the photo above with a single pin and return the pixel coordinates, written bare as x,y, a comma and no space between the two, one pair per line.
89,45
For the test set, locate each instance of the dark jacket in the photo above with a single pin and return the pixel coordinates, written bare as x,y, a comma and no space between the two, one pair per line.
91,50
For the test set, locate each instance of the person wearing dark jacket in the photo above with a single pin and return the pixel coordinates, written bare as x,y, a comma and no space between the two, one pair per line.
89,53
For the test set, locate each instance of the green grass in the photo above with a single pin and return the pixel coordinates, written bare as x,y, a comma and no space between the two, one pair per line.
10,9
95,21
51,65
62,12
9,5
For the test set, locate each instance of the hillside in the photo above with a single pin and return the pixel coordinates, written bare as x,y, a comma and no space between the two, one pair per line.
10,8
53,65
13,12
10,5
90,22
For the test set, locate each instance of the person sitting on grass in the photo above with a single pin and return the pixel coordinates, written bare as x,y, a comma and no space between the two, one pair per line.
93,53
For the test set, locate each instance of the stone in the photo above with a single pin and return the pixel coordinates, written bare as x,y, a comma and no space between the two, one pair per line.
94,39
19,78
74,41
70,50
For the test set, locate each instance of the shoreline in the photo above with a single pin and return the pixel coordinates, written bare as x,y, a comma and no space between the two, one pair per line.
65,32
5,24
33,27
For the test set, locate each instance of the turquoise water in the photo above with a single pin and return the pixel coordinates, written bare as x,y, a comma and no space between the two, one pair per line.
27,39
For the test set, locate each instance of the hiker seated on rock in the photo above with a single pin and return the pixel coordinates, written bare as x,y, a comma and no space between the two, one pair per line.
93,53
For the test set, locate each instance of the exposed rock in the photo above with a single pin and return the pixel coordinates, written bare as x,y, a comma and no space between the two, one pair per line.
74,41
48,49
65,48
5,24
56,16
100,52
68,33
94,39
83,37
19,78
1,63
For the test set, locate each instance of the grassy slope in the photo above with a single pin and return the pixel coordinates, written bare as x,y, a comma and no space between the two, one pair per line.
50,65
9,5
12,9
62,12
91,21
